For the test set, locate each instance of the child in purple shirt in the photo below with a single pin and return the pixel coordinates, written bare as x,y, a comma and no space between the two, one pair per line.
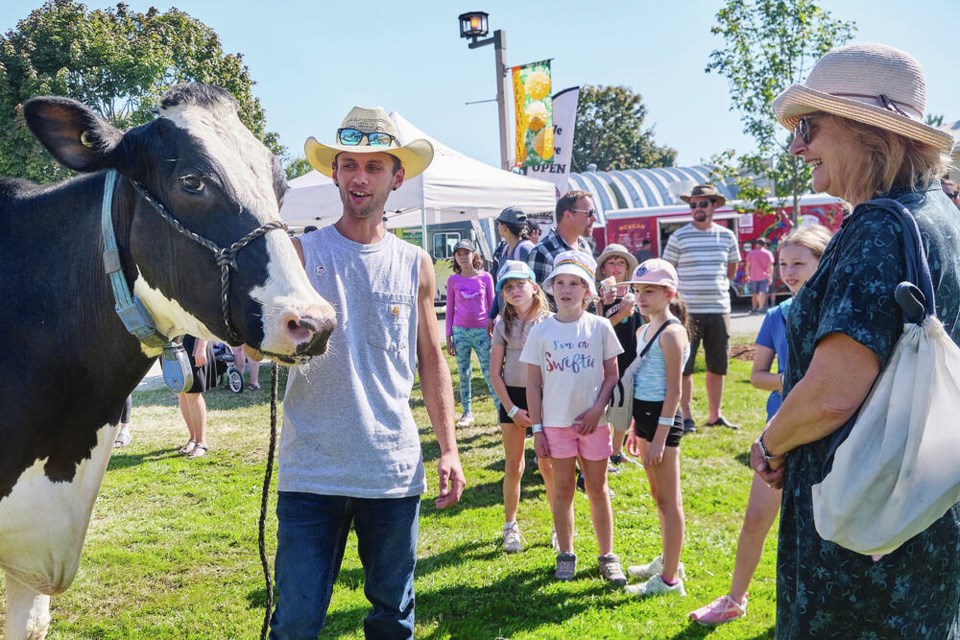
469,297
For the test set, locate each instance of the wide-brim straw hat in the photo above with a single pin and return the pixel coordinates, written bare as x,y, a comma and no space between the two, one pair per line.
415,156
620,251
705,191
871,83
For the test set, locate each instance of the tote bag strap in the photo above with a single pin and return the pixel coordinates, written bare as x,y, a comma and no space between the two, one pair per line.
918,271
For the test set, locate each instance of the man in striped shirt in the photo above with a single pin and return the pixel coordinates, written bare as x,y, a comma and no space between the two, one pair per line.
706,256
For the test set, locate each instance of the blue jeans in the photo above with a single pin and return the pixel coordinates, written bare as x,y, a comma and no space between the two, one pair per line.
464,341
311,537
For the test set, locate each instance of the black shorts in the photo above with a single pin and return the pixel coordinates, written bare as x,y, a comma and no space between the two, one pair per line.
645,416
713,329
518,396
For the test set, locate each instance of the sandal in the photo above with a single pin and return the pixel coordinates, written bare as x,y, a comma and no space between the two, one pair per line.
253,387
199,450
187,449
123,438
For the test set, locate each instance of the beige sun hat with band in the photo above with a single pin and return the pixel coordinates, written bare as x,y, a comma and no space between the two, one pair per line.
415,156
871,83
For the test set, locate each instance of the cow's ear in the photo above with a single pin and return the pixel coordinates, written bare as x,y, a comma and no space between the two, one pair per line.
72,133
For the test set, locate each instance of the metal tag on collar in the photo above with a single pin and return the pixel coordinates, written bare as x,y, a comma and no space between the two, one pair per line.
138,322
175,364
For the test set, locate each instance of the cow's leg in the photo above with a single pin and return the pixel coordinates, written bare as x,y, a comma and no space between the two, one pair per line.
28,612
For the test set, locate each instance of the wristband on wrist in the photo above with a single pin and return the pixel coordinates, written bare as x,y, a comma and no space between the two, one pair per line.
665,422
513,411
537,428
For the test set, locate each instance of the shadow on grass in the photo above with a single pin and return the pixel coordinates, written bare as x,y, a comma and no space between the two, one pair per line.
128,459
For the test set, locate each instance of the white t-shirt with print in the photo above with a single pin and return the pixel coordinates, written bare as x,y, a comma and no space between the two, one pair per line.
570,356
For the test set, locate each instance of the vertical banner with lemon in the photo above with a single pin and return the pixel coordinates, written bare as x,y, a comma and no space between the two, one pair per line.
534,111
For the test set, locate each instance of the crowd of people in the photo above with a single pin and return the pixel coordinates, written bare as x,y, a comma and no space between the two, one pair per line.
556,330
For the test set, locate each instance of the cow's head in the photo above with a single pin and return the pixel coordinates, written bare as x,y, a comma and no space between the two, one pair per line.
210,173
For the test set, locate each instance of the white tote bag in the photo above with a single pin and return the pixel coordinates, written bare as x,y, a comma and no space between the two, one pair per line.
898,470
620,409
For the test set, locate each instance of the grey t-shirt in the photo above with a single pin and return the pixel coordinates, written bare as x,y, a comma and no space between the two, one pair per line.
347,425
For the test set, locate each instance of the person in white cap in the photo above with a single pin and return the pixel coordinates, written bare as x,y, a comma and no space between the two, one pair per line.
350,454
572,369
858,123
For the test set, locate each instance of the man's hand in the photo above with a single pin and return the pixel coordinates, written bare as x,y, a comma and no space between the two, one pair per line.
452,481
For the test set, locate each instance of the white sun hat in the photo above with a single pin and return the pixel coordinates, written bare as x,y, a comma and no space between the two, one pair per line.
871,83
575,263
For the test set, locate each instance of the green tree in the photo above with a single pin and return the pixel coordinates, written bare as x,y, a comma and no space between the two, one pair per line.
610,133
116,61
768,46
296,167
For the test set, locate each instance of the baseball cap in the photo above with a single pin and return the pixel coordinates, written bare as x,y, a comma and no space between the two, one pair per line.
514,270
655,271
465,244
512,215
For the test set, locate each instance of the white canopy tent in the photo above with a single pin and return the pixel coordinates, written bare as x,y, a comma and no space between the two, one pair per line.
454,188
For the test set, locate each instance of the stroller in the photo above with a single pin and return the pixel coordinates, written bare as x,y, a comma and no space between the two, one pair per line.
226,368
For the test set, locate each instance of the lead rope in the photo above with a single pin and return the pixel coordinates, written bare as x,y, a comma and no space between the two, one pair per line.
265,499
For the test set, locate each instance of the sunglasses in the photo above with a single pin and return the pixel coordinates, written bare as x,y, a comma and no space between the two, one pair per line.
804,129
591,213
703,204
353,137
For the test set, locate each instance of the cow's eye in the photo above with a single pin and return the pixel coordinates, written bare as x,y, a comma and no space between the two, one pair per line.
192,182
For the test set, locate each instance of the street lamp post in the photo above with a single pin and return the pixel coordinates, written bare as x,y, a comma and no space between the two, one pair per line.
473,25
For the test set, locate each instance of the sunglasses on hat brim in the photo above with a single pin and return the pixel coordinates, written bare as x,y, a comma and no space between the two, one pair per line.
352,137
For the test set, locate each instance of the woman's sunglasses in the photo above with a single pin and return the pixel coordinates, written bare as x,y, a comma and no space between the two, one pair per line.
804,129
353,137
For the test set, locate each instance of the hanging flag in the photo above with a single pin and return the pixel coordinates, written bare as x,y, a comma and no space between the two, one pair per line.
564,122
534,113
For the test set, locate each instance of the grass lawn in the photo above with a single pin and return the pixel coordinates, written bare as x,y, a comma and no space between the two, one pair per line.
172,548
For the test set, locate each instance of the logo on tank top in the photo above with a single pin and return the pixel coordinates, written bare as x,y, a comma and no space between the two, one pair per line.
320,270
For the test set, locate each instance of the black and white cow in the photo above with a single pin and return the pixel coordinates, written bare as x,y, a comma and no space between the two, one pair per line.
67,361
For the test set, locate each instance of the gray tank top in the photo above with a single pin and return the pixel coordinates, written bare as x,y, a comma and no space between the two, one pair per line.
347,425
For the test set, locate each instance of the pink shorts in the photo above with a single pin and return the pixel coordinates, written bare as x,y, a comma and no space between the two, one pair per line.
567,442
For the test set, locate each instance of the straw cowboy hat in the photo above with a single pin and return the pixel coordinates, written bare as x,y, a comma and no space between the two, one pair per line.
870,83
415,156
706,191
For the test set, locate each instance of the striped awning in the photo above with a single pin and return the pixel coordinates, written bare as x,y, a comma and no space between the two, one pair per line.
635,188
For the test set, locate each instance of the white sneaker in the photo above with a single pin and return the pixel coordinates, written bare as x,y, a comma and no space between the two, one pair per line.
655,586
511,538
466,419
652,569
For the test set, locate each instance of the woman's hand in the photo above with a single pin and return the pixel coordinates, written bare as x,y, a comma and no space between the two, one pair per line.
586,422
770,471
540,446
522,419
655,452
450,348
200,353
633,444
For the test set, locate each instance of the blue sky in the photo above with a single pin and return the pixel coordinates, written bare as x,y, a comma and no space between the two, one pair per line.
313,60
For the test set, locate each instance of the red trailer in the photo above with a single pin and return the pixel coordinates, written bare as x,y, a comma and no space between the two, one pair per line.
630,227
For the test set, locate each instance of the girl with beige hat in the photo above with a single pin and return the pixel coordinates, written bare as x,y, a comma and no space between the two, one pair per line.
858,123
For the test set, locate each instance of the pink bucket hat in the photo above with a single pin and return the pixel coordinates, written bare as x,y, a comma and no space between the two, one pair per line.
655,271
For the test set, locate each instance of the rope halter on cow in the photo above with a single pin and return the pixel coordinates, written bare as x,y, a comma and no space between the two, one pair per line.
225,258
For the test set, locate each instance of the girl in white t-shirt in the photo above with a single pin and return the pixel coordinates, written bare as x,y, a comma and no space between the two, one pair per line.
657,423
523,306
572,360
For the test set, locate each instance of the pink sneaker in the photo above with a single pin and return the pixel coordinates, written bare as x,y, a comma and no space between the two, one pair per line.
723,609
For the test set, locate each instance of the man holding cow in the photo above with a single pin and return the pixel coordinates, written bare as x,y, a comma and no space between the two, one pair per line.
349,450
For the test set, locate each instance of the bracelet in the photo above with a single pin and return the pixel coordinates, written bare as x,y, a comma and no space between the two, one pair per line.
766,454
537,428
665,422
513,411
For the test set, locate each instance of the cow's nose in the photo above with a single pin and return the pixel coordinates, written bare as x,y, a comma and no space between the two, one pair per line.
310,330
